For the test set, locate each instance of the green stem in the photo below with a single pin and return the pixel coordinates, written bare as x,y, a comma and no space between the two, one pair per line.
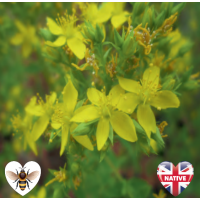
117,174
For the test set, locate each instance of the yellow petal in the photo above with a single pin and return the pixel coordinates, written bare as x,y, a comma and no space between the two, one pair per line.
129,85
70,96
85,141
26,49
165,99
61,40
39,127
41,192
118,7
31,143
115,94
151,77
91,12
123,126
17,39
27,121
79,35
77,47
102,132
103,14
53,27
95,96
119,19
86,113
128,102
55,125
153,145
51,98
34,109
146,119
64,138
20,26
31,30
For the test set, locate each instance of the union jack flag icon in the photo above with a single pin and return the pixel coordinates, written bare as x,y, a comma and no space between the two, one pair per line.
175,179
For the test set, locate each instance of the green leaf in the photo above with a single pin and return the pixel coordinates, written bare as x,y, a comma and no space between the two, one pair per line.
158,138
116,47
160,19
46,34
184,49
83,128
52,171
117,38
139,129
52,135
99,35
146,17
123,33
178,8
80,103
58,193
102,155
139,7
107,54
111,134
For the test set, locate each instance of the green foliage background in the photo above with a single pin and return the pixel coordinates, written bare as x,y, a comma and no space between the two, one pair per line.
124,172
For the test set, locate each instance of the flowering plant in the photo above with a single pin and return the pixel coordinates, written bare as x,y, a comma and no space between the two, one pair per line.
113,70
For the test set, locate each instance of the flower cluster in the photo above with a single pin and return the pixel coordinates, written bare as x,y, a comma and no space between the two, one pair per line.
119,69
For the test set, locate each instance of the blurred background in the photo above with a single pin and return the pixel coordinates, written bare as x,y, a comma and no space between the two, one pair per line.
24,72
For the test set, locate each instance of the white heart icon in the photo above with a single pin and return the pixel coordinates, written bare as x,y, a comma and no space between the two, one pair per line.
22,179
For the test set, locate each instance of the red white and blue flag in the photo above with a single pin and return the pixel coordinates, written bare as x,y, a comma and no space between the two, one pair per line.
175,179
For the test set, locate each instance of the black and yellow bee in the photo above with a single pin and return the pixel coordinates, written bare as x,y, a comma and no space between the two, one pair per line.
22,178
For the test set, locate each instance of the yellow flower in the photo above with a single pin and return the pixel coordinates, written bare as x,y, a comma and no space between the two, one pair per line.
93,14
146,95
68,34
41,193
113,10
25,126
103,108
60,176
27,37
161,194
119,16
44,111
63,113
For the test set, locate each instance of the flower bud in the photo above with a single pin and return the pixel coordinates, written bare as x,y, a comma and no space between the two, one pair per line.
75,167
46,34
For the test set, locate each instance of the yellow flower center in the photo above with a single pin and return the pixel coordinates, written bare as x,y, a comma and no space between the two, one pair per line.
16,122
148,89
46,106
67,23
106,112
60,116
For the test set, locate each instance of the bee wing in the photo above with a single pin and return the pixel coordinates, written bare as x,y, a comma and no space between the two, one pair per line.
12,175
33,175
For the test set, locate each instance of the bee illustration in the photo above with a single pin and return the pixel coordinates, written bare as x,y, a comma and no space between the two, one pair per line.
22,178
